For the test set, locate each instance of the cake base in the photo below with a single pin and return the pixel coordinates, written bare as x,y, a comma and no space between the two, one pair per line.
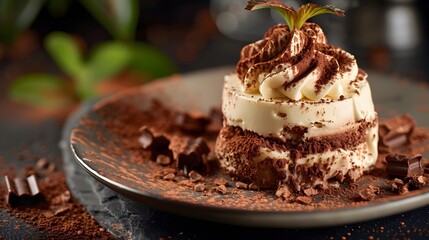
305,164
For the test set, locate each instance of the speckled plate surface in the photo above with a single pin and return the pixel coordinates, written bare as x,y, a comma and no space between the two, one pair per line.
202,90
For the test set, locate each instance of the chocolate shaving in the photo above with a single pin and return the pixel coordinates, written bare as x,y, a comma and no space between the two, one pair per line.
21,190
396,132
401,165
194,154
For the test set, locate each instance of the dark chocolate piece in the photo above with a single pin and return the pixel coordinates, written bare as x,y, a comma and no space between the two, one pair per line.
401,165
396,132
191,122
21,190
148,139
194,154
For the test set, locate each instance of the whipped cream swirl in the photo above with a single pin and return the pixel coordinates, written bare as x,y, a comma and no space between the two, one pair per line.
297,64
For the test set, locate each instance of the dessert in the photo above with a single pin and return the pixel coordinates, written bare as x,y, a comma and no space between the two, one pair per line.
298,112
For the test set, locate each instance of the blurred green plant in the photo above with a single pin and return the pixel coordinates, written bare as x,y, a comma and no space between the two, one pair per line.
16,16
106,60
118,17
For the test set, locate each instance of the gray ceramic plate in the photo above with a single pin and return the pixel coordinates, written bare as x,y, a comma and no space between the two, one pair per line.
131,179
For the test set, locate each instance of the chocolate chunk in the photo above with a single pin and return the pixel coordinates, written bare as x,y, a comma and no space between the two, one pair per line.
401,165
241,185
169,176
21,190
396,132
304,199
416,182
310,192
368,193
221,189
199,187
254,186
194,154
283,192
397,184
220,181
192,122
149,139
194,176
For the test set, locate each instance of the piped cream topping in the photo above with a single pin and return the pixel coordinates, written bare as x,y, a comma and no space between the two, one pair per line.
297,65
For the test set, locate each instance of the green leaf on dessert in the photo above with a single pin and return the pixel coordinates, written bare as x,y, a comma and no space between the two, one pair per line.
310,10
287,12
294,19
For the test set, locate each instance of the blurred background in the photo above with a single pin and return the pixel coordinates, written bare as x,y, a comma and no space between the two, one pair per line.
57,53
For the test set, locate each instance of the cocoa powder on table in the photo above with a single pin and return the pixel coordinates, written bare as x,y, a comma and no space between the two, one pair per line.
57,213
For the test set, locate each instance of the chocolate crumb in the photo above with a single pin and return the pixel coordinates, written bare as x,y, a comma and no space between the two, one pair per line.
194,176
254,186
283,192
404,189
221,189
368,193
241,185
397,184
220,181
200,187
304,199
310,192
169,176
163,160
416,182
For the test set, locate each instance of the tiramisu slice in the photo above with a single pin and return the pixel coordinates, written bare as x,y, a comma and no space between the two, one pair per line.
298,112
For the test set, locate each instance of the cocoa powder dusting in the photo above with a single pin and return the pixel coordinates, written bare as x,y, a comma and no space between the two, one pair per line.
58,213
204,187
